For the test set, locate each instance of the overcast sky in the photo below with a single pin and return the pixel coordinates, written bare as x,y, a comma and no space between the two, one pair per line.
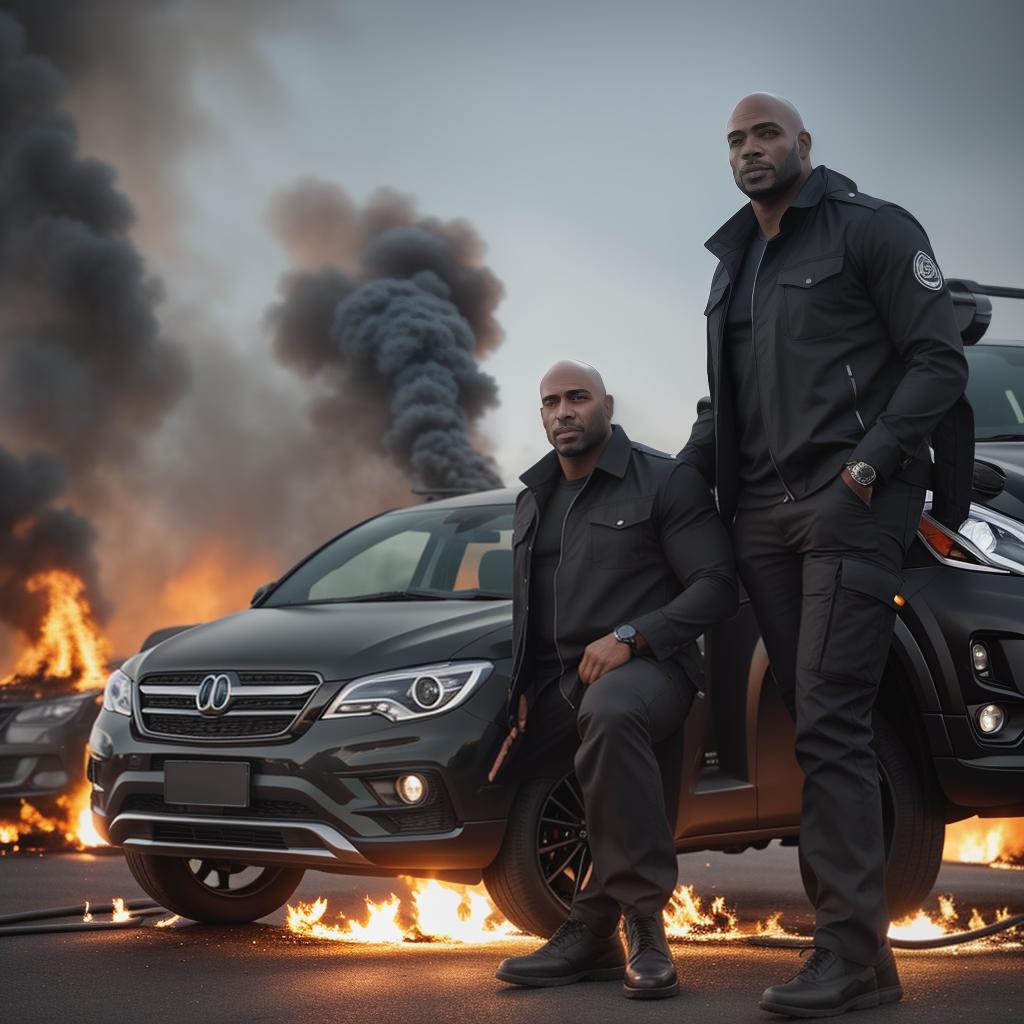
585,141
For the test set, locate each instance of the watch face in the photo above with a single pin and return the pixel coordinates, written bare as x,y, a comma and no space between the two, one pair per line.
624,633
864,474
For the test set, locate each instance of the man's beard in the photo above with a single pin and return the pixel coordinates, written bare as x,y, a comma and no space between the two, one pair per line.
785,174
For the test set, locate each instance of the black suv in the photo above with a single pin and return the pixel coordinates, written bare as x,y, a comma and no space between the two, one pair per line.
346,721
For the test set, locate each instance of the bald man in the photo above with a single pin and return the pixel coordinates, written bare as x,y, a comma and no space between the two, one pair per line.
620,562
833,360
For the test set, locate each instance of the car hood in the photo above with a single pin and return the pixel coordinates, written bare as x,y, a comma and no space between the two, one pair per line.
340,641
1008,457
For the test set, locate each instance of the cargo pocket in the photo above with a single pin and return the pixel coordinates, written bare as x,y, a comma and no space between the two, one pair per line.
621,534
860,621
812,297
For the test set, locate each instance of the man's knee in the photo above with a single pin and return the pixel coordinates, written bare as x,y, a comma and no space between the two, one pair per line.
610,702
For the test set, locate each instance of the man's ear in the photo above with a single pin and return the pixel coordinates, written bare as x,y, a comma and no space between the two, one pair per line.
804,141
609,405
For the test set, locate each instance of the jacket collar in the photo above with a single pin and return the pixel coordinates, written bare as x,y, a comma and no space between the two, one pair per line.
736,231
614,460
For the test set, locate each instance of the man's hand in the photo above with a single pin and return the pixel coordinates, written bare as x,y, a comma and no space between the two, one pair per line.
515,732
601,657
862,492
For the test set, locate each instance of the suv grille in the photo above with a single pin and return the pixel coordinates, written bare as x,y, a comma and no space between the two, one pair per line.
262,704
219,835
259,809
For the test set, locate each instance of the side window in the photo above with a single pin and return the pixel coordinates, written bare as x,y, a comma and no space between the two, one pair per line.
388,565
469,576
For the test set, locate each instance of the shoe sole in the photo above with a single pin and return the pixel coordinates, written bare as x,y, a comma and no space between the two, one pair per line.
664,992
865,1002
604,974
892,994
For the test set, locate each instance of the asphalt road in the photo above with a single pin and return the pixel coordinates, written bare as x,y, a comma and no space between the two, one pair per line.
262,973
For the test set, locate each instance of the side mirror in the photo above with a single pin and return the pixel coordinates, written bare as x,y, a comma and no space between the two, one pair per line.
262,592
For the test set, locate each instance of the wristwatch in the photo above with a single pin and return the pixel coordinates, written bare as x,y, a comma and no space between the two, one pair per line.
863,473
625,634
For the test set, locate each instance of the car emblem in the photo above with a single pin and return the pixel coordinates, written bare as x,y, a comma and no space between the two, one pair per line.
214,694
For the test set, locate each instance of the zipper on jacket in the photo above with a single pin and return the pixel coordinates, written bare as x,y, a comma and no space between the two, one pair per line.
856,409
757,377
561,553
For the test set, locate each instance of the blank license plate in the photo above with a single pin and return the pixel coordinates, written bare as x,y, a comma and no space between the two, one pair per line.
207,783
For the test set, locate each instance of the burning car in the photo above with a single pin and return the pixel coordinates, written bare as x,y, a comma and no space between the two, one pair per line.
346,721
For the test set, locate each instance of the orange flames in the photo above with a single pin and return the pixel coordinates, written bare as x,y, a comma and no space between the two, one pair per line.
998,842
440,912
70,648
73,827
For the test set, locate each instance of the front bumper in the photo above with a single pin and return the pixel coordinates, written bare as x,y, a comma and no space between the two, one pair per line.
319,799
947,611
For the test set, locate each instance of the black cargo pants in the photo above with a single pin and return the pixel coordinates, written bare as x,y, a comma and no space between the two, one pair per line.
822,574
613,737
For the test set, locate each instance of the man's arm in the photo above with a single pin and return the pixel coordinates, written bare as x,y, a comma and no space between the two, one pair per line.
699,450
696,546
921,325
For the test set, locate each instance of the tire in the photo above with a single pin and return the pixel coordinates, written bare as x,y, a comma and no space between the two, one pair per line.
913,822
543,857
213,891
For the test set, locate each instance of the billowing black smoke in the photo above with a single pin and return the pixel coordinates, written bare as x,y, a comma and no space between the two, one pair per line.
410,334
36,536
84,371
394,309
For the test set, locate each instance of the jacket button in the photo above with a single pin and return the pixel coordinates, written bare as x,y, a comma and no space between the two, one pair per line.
808,280
620,522
853,195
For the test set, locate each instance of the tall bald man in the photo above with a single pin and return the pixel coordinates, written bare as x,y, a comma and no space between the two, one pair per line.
833,359
620,562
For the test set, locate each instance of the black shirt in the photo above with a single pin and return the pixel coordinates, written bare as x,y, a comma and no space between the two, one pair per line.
547,550
759,483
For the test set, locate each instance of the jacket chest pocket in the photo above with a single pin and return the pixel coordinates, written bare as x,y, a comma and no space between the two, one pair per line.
621,534
812,296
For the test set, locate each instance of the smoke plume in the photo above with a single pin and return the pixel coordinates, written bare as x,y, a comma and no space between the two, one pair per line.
396,309
85,373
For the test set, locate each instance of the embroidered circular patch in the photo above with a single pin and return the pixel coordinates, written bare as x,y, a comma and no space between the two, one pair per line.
926,272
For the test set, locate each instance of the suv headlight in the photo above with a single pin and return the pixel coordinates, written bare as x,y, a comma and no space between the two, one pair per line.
117,695
50,712
986,540
410,693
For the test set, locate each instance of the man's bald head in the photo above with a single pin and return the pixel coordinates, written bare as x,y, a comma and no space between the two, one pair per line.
576,410
572,370
769,147
759,104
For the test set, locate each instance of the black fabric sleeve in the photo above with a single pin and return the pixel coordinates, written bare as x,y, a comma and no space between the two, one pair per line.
699,450
697,547
921,324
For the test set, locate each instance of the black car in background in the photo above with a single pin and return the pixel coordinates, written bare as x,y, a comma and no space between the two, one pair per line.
346,721
42,745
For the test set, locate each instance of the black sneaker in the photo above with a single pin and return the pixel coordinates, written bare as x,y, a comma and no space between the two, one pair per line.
887,977
650,972
573,953
826,986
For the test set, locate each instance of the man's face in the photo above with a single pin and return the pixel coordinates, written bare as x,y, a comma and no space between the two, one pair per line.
576,417
764,152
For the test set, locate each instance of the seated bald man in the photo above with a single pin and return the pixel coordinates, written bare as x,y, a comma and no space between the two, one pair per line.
620,563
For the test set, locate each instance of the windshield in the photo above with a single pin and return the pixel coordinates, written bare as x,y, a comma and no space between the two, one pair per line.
417,554
995,389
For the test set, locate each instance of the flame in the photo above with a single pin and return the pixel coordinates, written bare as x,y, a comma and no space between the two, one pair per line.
70,647
438,912
73,828
923,925
686,917
166,922
998,842
87,916
120,913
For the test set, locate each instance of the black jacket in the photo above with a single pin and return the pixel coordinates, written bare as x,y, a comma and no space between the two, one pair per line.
643,544
855,343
